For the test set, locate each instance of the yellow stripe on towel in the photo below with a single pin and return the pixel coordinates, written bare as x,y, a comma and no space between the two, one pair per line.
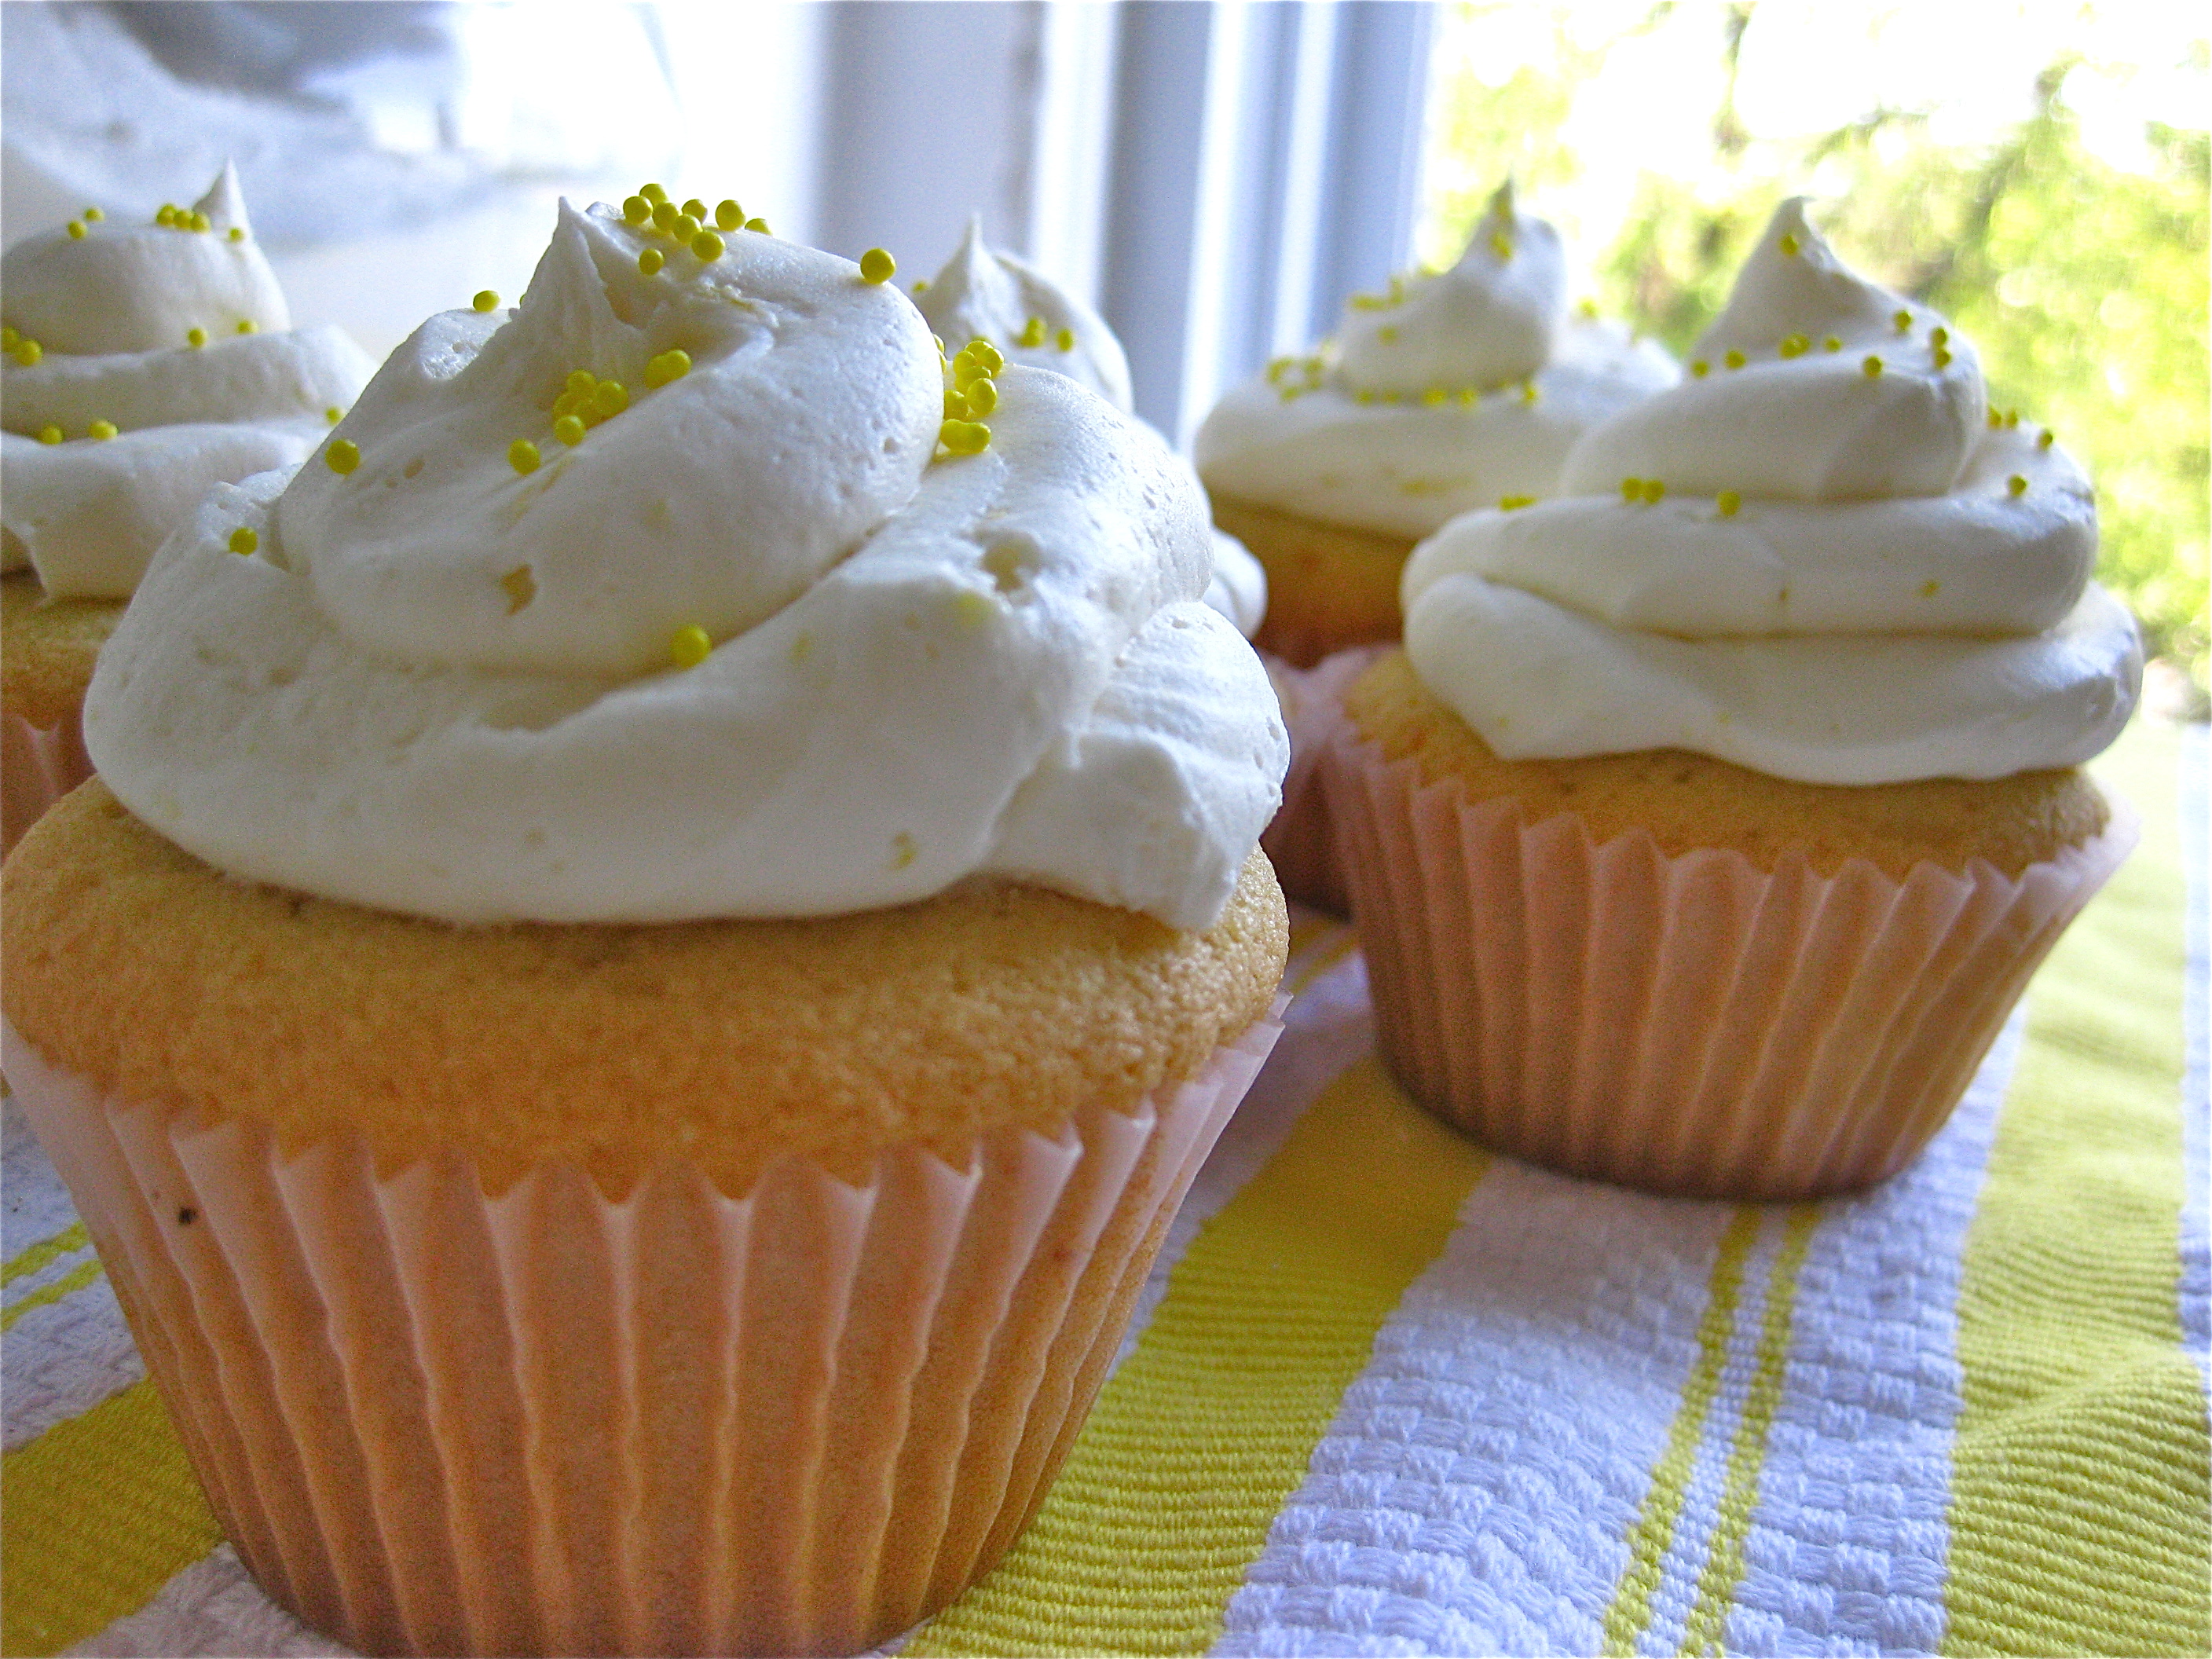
2080,1518
96,1515
75,1279
71,1237
1207,1428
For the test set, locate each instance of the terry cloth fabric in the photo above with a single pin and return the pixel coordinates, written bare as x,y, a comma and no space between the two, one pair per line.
1387,1395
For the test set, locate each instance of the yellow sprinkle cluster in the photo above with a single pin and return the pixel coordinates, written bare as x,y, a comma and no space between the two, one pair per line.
343,456
671,365
584,401
690,645
974,392
1309,372
243,540
176,218
486,300
877,265
651,212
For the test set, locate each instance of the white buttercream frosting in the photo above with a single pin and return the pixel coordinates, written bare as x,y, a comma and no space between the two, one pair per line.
443,685
1456,389
114,311
985,293
1852,573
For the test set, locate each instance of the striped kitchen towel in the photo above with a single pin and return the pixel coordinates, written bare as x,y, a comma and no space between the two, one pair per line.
1388,1395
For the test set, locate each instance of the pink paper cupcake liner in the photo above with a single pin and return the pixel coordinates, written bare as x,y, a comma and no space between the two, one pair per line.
1298,841
38,766
436,1420
1692,1024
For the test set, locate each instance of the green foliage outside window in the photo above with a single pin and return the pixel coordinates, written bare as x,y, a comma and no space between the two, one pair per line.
2081,282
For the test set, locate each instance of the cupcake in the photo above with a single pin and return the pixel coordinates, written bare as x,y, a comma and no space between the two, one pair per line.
1716,812
1454,390
142,364
665,942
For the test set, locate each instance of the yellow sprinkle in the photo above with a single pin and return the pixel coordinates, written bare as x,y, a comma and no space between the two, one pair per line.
902,850
2016,485
760,225
522,455
343,456
1433,395
664,213
49,433
1789,243
1064,339
1733,359
650,260
1501,244
636,210
246,325
983,398
653,193
707,247
1729,503
964,437
1831,344
921,285
684,228
987,354
95,214
2012,418
1931,588
1996,420
1939,337
522,585
2046,438
332,414
1364,395
27,353
1277,368
728,215
201,222
566,402
238,232
8,339
1528,391
1588,309
610,398
195,338
75,231
1632,489
690,645
569,430
1796,346
1654,492
1872,366
1904,321
668,366
1386,334
1942,358
877,265
581,380
486,300
1467,394
1368,303
1032,332
697,208
972,608
165,215
1514,504
1699,369
243,540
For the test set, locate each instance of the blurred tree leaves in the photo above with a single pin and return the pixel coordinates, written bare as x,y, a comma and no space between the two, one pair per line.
2083,283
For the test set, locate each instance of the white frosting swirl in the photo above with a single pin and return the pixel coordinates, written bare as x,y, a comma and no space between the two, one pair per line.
111,310
1893,587
982,292
1454,391
921,670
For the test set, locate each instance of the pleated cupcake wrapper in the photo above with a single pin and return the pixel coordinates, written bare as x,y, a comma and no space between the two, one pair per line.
39,765
1298,841
437,1420
1690,1024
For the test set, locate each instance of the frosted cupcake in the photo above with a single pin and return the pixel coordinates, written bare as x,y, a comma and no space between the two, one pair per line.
1452,391
143,363
722,911
1716,812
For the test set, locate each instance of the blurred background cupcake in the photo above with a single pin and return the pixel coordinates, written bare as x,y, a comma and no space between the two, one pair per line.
1708,827
638,1127
144,360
